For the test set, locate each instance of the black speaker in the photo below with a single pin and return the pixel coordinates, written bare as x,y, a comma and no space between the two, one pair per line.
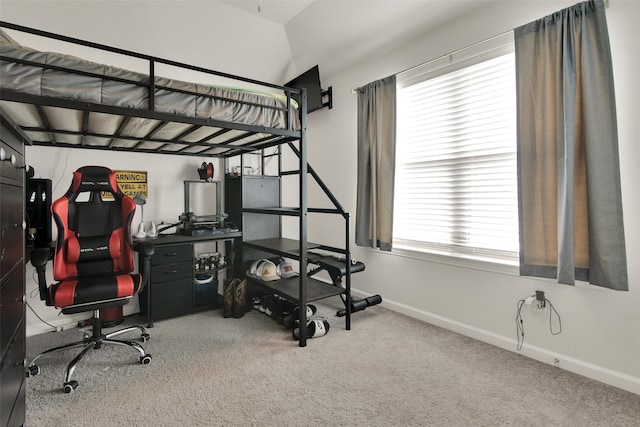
38,212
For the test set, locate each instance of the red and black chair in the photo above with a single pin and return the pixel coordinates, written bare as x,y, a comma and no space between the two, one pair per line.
93,261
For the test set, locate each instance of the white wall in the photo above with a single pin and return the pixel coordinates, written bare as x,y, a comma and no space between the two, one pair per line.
600,328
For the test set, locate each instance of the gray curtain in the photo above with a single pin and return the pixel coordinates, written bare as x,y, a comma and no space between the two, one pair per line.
568,167
376,163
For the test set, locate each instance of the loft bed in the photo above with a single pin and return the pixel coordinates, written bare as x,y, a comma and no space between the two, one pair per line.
63,101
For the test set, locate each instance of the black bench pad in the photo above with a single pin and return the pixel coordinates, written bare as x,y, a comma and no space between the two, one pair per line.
334,266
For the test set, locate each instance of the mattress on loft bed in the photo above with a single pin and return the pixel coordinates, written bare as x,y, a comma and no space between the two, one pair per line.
194,99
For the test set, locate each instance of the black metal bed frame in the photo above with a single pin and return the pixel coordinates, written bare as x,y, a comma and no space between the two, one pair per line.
231,146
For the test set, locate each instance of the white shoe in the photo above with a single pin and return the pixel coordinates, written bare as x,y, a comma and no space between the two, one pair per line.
317,326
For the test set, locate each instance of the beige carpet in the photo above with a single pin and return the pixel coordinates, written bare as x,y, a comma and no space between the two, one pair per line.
389,370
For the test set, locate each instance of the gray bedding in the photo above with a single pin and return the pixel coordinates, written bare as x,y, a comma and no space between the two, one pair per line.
194,100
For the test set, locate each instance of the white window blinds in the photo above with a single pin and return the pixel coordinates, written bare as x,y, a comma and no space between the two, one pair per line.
456,185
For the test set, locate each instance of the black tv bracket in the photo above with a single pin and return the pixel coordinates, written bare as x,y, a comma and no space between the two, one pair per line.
329,96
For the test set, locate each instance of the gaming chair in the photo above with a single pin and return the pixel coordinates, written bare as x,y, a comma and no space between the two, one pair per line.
92,261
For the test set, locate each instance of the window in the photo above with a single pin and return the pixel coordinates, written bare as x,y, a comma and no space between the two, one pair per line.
456,182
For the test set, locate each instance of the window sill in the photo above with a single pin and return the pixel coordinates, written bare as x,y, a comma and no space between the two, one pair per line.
494,265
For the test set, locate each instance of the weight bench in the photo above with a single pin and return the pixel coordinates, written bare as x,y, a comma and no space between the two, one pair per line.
336,267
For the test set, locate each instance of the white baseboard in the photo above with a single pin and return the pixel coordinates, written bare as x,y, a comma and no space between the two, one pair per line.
580,367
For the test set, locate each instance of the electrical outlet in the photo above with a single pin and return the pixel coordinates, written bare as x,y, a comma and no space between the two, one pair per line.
541,301
556,362
536,301
539,308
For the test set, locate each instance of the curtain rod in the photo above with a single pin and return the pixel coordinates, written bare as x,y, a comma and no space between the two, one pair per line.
354,90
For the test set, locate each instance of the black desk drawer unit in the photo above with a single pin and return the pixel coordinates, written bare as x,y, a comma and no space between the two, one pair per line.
171,299
173,290
171,281
172,254
171,272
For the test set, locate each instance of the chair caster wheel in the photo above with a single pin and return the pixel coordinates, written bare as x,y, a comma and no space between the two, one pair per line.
33,370
70,386
146,359
145,337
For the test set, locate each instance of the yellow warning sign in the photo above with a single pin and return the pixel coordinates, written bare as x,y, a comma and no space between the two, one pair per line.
132,183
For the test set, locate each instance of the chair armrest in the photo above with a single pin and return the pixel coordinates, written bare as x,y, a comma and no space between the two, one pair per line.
39,259
145,249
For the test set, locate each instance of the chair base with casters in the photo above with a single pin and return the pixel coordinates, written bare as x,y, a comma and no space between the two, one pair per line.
93,342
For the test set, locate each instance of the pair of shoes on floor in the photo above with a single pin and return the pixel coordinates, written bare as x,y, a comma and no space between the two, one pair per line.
235,298
275,307
317,326
286,313
291,321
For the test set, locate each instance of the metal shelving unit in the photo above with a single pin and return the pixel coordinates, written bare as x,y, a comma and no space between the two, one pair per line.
302,289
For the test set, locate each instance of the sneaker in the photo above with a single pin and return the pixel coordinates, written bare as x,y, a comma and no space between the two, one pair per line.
290,320
317,326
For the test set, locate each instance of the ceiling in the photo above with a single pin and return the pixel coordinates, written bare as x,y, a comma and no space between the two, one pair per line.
279,11
337,33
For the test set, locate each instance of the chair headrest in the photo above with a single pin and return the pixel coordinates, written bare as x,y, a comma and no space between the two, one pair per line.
94,178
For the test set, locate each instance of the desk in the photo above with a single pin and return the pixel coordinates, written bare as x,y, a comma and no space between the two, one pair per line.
171,290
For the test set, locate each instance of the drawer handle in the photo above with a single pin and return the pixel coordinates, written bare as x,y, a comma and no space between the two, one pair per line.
11,159
172,254
172,272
